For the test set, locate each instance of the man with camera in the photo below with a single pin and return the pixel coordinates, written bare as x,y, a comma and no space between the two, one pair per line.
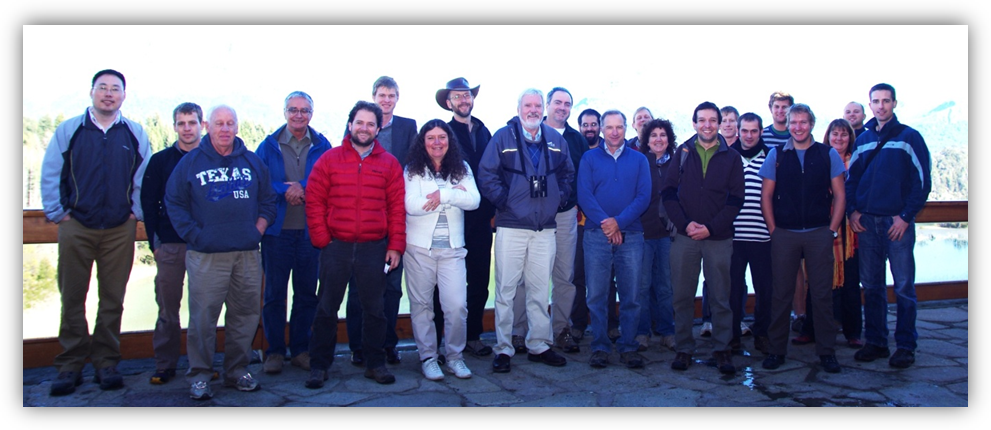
526,173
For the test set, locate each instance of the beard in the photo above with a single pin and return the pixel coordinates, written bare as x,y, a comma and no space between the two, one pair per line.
362,143
592,139
530,123
463,110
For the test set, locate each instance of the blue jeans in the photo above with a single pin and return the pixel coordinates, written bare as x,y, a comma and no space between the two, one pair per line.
655,288
290,251
875,248
600,259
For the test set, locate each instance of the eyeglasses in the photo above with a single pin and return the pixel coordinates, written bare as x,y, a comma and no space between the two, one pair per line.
113,90
294,111
457,97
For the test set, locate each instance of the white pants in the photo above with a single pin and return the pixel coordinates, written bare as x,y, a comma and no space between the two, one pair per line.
562,275
527,255
444,268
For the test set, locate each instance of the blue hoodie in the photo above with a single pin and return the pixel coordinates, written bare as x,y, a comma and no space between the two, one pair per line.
214,201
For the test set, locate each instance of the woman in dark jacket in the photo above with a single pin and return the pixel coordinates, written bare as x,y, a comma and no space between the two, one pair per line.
656,310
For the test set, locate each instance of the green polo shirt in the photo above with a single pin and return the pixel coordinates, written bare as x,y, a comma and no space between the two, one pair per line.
705,154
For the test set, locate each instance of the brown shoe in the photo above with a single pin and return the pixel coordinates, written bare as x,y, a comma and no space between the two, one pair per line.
724,362
681,361
566,342
273,363
301,361
762,344
380,375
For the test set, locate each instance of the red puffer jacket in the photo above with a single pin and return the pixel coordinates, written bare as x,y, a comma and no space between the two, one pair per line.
356,200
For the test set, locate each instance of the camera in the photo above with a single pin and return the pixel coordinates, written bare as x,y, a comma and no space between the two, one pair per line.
538,186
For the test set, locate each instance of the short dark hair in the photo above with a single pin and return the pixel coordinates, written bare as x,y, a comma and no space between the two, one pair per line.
590,111
707,106
649,127
780,95
750,117
187,108
882,86
385,81
120,75
556,89
369,106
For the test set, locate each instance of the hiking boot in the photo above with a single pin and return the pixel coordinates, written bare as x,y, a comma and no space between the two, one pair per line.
631,359
109,378
245,383
871,352
706,330
613,334
162,376
599,359
301,361
459,369
200,390
643,342
316,379
380,375
902,358
66,383
829,363
566,342
273,363
519,344
477,348
724,362
577,334
668,342
681,361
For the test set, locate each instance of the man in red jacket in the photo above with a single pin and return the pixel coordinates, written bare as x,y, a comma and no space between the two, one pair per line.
356,216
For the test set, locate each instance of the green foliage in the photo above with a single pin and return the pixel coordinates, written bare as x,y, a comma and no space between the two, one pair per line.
143,253
39,279
949,174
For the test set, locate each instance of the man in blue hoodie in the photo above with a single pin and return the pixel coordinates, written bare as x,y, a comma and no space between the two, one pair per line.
888,185
290,153
220,200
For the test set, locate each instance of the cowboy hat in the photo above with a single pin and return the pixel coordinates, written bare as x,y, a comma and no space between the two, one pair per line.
456,84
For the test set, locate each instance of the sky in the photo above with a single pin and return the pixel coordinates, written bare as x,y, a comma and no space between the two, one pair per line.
659,64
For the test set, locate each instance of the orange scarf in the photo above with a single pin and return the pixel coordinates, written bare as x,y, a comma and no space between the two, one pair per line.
844,245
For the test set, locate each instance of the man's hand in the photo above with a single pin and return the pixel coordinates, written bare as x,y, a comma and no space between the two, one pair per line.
855,223
609,226
433,201
897,229
261,224
295,195
392,259
616,238
697,231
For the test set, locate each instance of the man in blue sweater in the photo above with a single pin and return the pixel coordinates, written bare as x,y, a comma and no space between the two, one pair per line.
888,185
613,191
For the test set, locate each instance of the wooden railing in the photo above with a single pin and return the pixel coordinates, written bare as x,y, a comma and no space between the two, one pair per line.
41,352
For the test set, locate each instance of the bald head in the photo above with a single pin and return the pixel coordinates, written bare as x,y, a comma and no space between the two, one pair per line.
222,127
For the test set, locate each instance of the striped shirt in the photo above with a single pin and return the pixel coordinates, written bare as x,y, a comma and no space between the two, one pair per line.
773,138
749,224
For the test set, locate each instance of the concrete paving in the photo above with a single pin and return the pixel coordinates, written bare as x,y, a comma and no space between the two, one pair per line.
938,378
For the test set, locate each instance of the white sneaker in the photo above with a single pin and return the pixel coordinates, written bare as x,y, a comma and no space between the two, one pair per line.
459,369
431,370
744,329
706,330
200,391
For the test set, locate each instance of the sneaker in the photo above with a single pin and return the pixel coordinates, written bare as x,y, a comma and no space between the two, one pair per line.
519,344
797,322
643,342
431,370
902,358
380,375
245,383
724,362
871,352
200,390
762,344
301,361
566,342
829,363
631,359
477,348
459,369
548,357
745,329
599,359
706,330
577,334
66,383
501,363
613,334
109,378
162,376
668,342
316,379
273,363
802,340
773,361
681,361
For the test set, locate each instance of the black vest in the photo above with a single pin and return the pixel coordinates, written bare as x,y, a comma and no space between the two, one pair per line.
802,197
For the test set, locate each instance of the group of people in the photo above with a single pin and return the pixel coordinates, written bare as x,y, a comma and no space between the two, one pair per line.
580,217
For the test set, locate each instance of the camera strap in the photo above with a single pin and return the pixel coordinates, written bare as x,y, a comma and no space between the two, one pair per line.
520,148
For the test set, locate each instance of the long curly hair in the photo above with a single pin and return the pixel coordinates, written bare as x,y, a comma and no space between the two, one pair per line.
661,124
418,162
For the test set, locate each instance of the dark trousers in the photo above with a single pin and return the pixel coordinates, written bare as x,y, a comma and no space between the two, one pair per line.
339,261
758,256
787,248
847,304
390,302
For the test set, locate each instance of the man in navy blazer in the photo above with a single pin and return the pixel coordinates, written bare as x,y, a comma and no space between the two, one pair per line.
396,136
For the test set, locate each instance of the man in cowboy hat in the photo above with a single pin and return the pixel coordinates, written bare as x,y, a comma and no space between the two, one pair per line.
473,137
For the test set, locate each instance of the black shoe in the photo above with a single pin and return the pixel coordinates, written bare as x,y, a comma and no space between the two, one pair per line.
599,359
762,344
66,383
631,359
871,352
519,344
829,363
392,355
902,358
501,363
773,361
162,376
548,357
357,358
109,378
476,348
316,378
724,362
380,375
681,361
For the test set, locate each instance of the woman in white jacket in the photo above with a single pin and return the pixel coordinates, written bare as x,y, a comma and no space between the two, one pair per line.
439,188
